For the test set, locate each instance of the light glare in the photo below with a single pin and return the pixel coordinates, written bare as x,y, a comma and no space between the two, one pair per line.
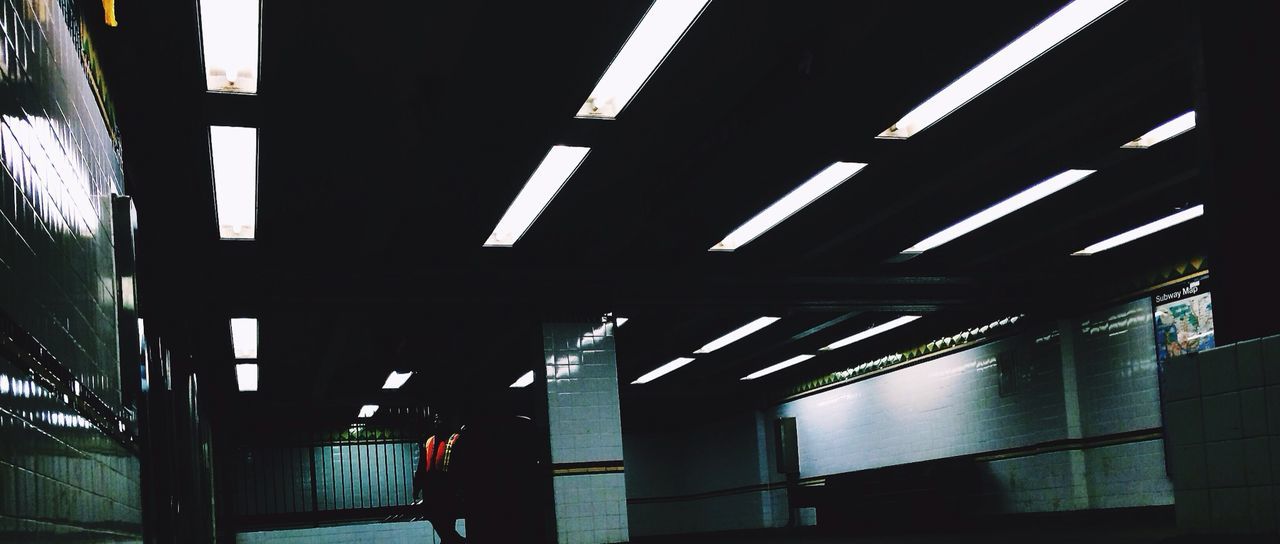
1170,129
1150,228
523,381
247,376
547,180
244,338
396,380
663,370
1040,39
229,34
1005,207
822,183
872,332
770,370
738,334
650,43
234,153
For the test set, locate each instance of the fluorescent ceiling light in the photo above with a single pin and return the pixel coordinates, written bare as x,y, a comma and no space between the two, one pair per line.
244,338
738,334
809,191
663,370
1045,36
247,376
650,42
770,370
368,410
872,332
234,153
1005,207
1170,129
524,381
546,181
396,380
621,321
1150,228
229,32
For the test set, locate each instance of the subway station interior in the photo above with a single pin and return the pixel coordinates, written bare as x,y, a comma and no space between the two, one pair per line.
651,271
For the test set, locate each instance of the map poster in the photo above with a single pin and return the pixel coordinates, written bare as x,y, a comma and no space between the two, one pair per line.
1183,319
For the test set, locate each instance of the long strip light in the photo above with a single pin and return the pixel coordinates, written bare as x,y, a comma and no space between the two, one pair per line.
771,369
396,380
738,334
663,370
234,152
556,169
1005,207
524,380
368,410
247,376
872,332
1147,229
244,337
649,44
822,183
1052,31
1170,129
230,34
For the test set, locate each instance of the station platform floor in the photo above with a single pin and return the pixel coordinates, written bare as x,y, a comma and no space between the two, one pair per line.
1145,535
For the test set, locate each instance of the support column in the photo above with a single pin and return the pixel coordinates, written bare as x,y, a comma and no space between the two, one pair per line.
1237,116
586,433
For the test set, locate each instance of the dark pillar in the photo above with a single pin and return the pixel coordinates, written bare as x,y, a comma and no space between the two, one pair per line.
1238,121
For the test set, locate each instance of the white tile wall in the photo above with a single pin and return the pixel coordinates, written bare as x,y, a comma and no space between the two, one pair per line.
1119,385
585,424
418,532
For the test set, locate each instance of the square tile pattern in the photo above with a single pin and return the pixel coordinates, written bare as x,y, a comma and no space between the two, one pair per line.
1223,421
585,426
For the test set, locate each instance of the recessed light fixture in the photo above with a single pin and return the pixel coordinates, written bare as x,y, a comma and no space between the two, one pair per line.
826,180
1169,129
234,152
368,410
244,337
247,376
1035,42
1005,207
230,35
737,334
663,370
656,35
770,370
546,181
524,380
872,332
396,380
1150,228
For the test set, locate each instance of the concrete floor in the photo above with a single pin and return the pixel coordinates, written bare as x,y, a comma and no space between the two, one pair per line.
1020,536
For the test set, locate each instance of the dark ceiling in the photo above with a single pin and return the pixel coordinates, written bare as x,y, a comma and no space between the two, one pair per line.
394,137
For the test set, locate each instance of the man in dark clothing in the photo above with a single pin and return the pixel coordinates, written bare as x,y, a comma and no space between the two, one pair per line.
438,488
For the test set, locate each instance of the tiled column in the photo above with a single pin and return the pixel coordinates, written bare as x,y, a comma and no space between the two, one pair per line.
586,433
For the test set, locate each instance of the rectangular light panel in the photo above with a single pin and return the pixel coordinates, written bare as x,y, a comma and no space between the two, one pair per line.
396,380
234,153
556,169
368,410
1040,39
809,191
244,337
1005,207
1150,228
770,370
656,35
229,33
247,376
1170,129
872,332
663,370
524,381
738,334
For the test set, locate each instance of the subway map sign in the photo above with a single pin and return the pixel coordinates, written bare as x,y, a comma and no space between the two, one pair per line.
1183,319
